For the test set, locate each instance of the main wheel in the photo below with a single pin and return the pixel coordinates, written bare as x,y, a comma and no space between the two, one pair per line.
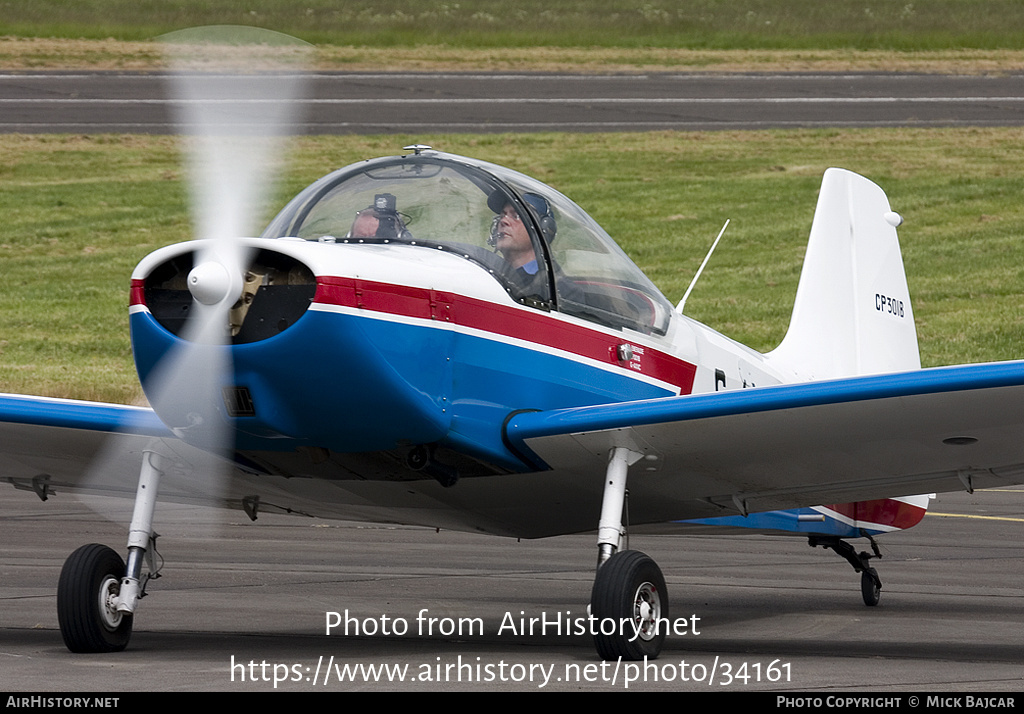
630,604
89,582
870,589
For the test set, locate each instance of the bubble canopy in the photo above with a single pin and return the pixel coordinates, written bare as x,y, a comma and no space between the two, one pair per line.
544,249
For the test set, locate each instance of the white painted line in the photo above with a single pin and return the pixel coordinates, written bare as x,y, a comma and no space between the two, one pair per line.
539,100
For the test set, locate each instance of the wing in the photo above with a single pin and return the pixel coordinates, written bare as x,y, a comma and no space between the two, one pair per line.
746,451
55,446
49,443
798,445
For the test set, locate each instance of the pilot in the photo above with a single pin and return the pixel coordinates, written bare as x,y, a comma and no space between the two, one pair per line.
527,280
509,235
381,220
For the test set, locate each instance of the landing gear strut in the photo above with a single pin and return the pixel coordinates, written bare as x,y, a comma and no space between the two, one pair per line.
870,584
629,600
97,593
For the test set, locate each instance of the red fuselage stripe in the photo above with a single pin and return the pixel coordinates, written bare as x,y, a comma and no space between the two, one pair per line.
137,295
520,324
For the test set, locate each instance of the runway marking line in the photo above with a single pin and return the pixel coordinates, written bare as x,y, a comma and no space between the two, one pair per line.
968,515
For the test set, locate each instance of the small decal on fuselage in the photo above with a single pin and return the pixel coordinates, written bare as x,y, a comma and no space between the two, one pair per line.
637,355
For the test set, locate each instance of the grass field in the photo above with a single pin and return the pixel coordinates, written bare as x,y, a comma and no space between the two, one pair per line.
35,53
714,24
81,211
577,35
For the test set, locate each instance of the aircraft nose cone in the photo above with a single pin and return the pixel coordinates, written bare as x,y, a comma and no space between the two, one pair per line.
210,283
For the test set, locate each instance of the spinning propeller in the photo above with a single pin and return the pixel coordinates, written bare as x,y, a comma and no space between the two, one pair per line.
233,92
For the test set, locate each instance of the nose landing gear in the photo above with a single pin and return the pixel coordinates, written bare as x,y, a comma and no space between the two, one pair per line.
97,593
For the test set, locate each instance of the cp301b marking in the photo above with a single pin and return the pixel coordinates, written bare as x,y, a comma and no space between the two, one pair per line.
889,305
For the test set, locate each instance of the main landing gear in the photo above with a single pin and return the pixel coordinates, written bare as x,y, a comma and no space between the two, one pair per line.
97,593
870,584
629,601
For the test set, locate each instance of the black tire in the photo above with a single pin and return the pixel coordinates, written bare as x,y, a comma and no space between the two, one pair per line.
629,587
89,576
870,588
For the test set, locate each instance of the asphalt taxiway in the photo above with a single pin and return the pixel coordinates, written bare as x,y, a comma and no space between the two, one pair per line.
429,102
241,604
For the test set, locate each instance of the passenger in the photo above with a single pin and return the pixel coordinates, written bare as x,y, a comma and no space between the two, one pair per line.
381,220
365,224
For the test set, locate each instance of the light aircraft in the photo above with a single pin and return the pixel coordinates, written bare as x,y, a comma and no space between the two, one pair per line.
430,339
410,374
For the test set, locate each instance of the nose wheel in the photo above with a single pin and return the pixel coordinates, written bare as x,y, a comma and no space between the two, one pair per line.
87,594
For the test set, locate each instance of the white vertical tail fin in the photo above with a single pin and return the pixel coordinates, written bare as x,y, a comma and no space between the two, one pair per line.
852,314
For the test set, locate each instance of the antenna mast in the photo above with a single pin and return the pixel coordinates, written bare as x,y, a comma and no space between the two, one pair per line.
679,307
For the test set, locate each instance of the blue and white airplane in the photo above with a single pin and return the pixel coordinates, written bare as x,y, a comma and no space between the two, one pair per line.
430,339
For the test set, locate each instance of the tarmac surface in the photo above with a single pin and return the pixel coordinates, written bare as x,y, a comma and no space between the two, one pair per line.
241,604
372,103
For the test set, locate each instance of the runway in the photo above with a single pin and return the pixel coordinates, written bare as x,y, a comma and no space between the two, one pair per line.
364,103
242,604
